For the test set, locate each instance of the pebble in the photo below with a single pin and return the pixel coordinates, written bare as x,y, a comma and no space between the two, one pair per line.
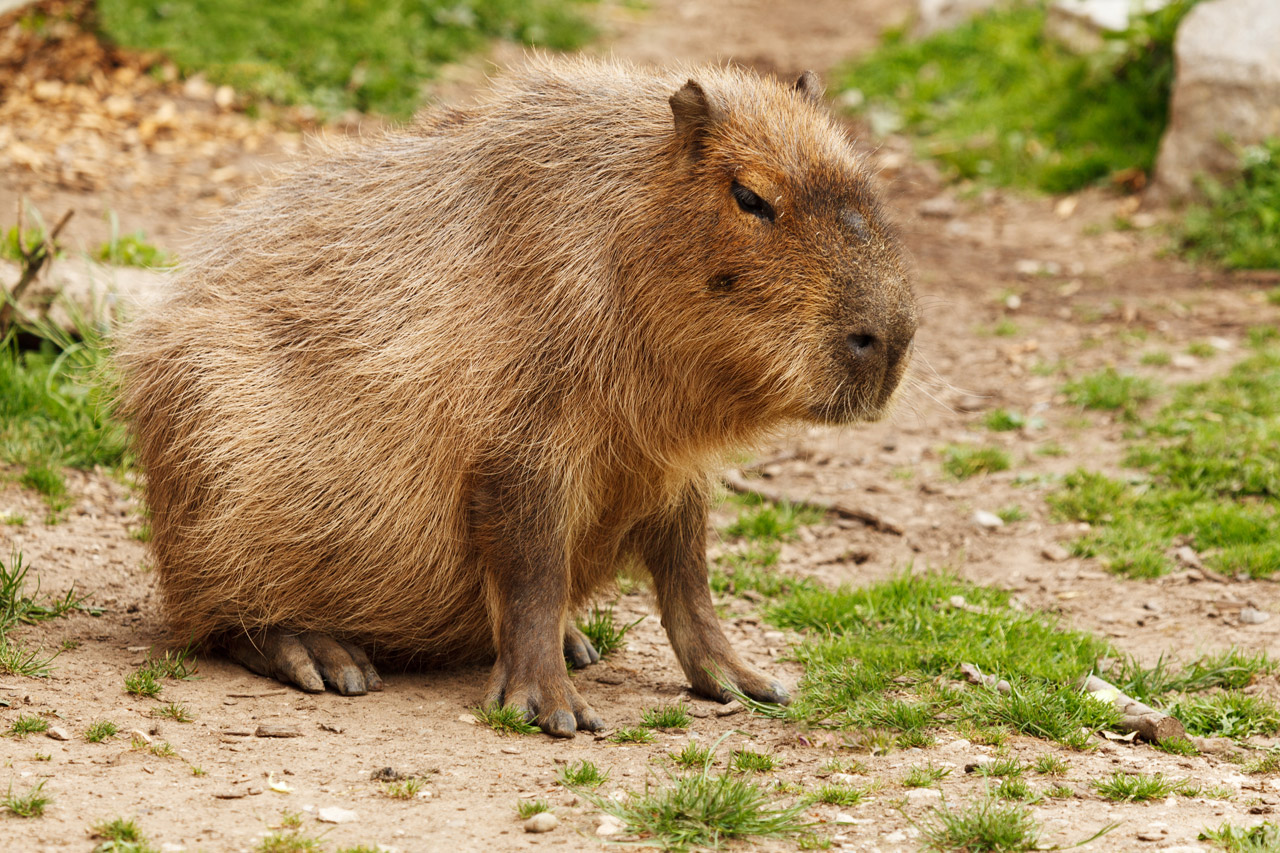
1248,615
268,730
730,709
139,734
841,817
170,847
541,822
609,825
59,733
980,761
1054,553
335,814
924,796
989,520
895,837
940,206
844,779
510,750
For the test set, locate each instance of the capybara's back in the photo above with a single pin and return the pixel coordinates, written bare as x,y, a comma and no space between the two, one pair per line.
424,395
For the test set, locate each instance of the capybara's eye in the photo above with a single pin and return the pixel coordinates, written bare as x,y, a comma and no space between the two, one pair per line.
752,203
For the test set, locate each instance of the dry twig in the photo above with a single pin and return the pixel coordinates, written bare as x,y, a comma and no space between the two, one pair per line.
1148,723
734,479
31,259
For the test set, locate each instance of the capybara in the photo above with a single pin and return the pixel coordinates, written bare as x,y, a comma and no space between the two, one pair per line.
422,397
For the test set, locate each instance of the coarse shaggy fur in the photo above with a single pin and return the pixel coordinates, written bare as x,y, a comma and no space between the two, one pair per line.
552,287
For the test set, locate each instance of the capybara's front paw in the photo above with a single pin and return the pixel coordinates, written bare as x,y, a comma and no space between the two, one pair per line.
309,661
548,698
719,677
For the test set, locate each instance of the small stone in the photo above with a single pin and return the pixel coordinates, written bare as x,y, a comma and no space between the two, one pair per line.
59,733
1182,361
170,847
541,822
843,779
989,520
734,707
895,837
139,734
940,207
230,794
386,774
1248,615
609,825
224,97
335,814
841,817
610,678
924,796
1054,553
511,750
269,730
980,761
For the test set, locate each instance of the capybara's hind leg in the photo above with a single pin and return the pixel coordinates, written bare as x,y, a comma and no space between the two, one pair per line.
578,649
308,660
674,549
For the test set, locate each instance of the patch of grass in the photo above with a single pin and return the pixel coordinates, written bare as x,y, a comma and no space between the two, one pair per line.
1227,714
371,57
925,776
1237,226
1191,790
838,795
1044,710
1262,838
1060,792
18,607
1156,358
164,749
1011,513
528,808
751,569
100,731
1134,787
867,647
1017,789
288,841
405,789
143,682
1265,764
583,774
120,835
666,717
603,632
132,250
174,711
693,755
1177,746
30,804
632,734
987,825
1201,349
996,99
750,761
965,461
1111,391
27,724
505,720
761,521
1005,766
703,810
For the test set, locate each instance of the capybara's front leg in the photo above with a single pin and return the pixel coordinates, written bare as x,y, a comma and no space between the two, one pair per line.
526,585
674,548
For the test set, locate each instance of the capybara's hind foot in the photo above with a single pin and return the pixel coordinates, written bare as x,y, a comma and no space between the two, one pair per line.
578,649
309,661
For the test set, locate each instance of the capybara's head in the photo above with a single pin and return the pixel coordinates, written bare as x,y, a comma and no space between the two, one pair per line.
804,281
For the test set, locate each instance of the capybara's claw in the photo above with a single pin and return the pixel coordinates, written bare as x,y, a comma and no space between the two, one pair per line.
745,679
309,661
578,649
550,702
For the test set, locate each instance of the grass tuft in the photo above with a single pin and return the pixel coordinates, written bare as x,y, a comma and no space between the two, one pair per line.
750,761
1237,225
101,730
632,734
603,632
1108,390
666,717
963,461
30,804
27,724
988,825
925,776
528,808
694,755
1134,787
405,789
505,720
583,774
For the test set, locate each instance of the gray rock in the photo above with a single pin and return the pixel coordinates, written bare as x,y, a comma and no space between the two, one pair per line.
1227,86
935,15
1082,24
1248,615
1055,553
59,733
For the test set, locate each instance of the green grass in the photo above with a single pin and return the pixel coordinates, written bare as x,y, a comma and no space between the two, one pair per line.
528,808
101,730
1003,420
27,724
751,570
120,835
1050,765
965,461
1016,789
1001,768
30,804
1108,390
694,755
996,99
925,776
763,522
835,794
872,655
505,720
632,734
1211,478
603,632
703,810
19,607
133,250
583,774
143,682
288,841
175,711
1262,838
1263,765
1238,225
1226,714
750,761
987,825
1134,787
335,56
405,789
666,717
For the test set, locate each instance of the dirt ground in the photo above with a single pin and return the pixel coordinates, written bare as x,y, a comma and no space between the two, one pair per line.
1087,296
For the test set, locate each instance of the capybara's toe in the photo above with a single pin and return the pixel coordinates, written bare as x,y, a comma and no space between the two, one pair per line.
308,661
588,721
578,649
559,723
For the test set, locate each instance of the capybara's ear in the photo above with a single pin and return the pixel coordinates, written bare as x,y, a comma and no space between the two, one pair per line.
694,113
810,86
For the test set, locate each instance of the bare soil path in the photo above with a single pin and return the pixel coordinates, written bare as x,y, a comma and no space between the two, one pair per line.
1088,296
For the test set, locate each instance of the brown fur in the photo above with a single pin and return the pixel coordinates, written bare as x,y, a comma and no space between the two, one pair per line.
451,379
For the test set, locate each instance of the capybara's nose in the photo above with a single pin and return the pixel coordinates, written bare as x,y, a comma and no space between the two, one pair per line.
862,344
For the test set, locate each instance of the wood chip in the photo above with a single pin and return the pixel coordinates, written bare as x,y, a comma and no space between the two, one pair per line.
267,730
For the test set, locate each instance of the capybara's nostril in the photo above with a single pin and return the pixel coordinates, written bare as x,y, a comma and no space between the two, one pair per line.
862,345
